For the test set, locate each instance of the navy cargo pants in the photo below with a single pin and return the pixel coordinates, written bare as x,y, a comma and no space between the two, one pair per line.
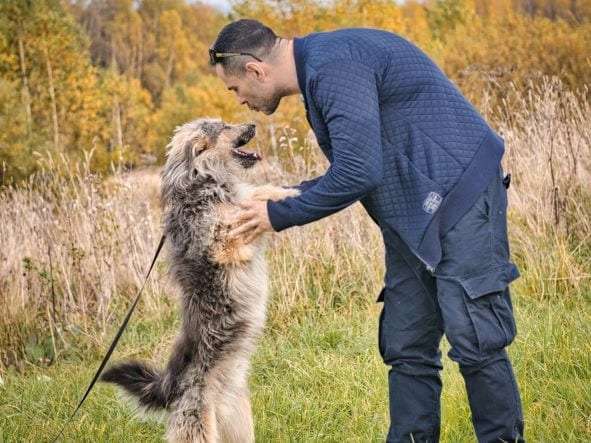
467,298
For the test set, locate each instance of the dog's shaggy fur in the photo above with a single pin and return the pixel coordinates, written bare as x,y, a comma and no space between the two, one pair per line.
223,282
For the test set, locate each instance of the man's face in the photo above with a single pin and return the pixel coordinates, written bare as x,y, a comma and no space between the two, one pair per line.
255,88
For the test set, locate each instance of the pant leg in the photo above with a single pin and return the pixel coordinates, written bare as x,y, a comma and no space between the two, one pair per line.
474,297
477,340
409,336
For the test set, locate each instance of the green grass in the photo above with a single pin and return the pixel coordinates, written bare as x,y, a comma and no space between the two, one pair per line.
320,378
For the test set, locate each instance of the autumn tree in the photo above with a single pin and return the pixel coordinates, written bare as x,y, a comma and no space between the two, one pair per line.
115,77
41,49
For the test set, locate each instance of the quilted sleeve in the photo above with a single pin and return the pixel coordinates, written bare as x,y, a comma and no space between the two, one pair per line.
346,94
304,185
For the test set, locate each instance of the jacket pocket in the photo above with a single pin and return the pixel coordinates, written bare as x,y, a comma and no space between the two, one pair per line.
381,296
499,219
488,302
380,331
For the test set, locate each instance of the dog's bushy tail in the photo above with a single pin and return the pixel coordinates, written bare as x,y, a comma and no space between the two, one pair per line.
140,380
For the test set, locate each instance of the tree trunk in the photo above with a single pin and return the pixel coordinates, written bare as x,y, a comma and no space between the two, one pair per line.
140,57
169,68
26,92
529,7
118,136
574,10
551,10
56,132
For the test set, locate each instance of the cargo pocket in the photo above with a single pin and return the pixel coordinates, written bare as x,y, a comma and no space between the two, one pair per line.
488,302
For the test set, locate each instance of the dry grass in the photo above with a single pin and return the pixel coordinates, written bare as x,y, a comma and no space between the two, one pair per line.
75,248
71,244
548,137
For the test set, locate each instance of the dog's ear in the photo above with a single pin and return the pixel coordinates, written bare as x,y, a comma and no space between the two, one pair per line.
193,148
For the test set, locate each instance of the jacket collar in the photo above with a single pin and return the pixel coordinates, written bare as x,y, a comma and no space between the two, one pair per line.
299,55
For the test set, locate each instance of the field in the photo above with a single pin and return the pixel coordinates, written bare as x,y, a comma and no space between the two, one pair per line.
319,378
90,92
75,249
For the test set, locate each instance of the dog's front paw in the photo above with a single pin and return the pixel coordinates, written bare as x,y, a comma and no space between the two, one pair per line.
270,192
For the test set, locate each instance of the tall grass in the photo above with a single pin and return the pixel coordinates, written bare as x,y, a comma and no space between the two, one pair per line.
75,247
547,131
71,244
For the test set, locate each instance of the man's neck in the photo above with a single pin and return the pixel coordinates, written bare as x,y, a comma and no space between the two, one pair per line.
287,68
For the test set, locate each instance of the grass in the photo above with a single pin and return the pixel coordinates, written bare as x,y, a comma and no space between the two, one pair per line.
74,249
320,378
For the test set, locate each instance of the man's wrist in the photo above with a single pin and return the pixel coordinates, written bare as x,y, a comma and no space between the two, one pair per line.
277,222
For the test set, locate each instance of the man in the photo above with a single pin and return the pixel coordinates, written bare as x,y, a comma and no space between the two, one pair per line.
403,140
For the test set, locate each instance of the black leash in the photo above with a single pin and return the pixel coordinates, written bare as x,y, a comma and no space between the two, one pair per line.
115,340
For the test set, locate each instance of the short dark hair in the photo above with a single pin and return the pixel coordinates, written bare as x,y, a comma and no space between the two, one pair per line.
245,35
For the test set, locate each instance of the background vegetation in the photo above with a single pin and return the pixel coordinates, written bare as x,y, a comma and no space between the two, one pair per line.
89,94
116,76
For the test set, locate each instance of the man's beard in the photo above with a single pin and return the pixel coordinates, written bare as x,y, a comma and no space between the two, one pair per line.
270,106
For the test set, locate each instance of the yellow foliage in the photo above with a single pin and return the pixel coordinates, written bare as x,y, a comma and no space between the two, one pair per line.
181,103
497,50
118,76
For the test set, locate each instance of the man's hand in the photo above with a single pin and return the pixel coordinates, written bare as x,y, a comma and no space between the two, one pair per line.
251,221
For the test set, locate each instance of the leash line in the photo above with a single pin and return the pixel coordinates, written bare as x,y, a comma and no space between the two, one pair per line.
115,341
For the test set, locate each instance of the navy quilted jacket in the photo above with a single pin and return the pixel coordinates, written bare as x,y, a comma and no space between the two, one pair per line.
398,134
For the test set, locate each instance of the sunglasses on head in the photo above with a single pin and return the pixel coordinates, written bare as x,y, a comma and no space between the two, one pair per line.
216,57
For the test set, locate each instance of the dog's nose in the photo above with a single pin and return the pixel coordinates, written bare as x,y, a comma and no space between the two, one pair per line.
252,127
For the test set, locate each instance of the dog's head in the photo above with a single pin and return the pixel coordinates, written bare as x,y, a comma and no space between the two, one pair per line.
208,147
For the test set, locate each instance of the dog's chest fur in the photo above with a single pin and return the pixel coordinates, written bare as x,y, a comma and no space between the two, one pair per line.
219,303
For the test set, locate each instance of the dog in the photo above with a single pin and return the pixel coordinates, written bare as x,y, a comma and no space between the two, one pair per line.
203,390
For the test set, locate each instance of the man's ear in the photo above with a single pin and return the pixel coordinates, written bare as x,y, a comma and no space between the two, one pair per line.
256,70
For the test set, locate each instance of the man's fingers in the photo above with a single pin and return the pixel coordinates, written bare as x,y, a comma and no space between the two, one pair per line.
244,227
252,235
246,204
243,216
248,222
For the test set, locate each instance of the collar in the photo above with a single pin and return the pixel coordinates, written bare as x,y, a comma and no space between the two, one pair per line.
299,55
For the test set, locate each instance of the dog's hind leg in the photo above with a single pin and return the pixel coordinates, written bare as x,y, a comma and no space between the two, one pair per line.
193,419
234,415
233,409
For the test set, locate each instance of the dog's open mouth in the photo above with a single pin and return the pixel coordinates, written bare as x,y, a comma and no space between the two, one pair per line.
245,155
247,158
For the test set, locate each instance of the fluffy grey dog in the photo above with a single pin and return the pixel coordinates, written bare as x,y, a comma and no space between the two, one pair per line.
203,388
